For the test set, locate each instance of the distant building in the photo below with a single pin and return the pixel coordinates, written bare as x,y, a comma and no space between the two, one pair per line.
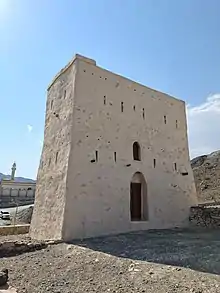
115,157
15,188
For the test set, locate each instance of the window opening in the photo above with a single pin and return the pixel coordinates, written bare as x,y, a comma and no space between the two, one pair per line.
136,151
165,119
122,107
56,157
96,156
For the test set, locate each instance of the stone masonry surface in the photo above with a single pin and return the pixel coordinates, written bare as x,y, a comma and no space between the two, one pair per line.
93,119
13,230
205,216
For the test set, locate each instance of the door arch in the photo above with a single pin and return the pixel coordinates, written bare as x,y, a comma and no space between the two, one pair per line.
138,198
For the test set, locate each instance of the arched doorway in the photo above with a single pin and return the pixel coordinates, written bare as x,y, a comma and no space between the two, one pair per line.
138,198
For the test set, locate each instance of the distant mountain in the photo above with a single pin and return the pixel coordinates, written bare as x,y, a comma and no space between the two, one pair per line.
17,179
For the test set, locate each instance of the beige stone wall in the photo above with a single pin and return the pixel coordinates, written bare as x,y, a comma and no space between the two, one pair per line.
17,185
48,214
91,197
17,192
14,230
16,189
98,194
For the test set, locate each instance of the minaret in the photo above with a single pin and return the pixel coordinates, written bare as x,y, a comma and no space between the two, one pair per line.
13,169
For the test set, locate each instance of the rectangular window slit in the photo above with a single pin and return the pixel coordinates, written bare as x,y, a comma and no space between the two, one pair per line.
122,107
175,166
154,163
143,114
176,124
56,157
165,119
184,173
96,156
64,94
104,100
115,156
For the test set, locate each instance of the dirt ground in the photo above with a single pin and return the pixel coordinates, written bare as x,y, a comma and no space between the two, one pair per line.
154,261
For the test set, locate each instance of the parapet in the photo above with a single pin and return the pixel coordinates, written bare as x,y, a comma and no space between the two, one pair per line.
77,56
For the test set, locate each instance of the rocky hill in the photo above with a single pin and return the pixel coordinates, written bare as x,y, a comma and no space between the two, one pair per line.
206,171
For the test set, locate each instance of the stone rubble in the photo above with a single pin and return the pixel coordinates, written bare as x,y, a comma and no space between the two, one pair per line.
16,247
205,216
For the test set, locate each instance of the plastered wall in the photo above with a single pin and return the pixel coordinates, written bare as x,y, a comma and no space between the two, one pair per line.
48,214
87,192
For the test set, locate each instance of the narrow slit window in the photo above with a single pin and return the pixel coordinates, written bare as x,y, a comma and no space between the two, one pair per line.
64,94
134,108
184,173
49,162
96,156
165,119
122,107
176,124
136,151
115,156
175,166
51,105
143,113
104,100
154,163
56,157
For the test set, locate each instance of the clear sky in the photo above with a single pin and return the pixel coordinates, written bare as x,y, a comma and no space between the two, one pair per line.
169,45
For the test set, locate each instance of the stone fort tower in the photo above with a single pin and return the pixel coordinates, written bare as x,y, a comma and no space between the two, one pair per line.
115,157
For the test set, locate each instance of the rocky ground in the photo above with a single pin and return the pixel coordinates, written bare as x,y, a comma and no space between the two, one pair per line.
206,171
153,261
160,261
24,216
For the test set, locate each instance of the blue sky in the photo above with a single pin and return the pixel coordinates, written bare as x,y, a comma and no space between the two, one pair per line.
169,45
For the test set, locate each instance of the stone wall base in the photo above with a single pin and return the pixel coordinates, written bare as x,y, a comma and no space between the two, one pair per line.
14,230
205,216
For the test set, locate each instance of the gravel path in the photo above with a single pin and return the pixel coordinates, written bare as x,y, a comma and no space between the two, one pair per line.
153,262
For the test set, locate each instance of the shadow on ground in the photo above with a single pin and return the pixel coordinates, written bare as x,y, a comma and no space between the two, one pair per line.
189,248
